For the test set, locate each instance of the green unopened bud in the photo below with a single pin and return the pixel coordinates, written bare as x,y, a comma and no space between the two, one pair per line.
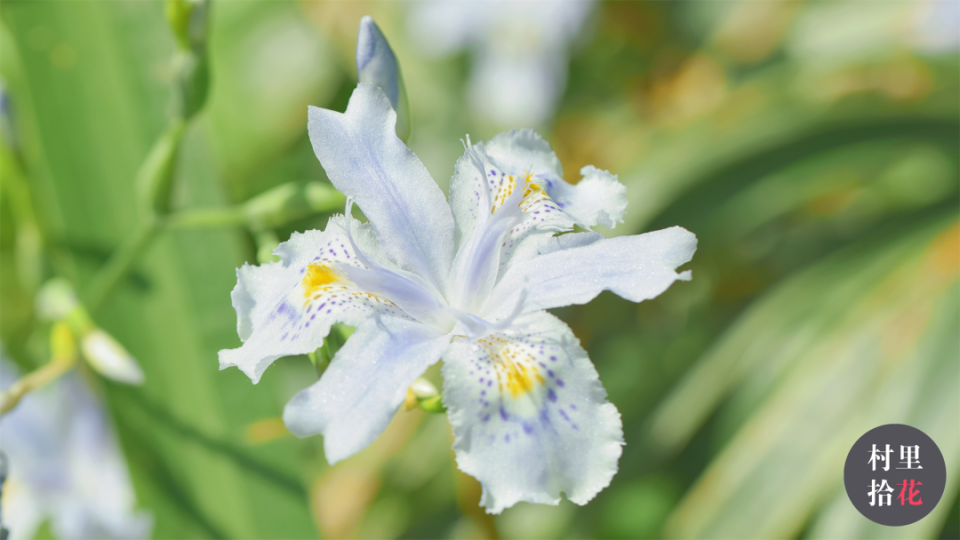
155,178
433,405
109,358
287,202
377,64
323,197
188,21
192,83
422,393
266,242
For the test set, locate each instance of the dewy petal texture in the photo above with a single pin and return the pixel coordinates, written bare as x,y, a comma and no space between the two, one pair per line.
636,268
364,385
287,307
597,199
530,416
366,161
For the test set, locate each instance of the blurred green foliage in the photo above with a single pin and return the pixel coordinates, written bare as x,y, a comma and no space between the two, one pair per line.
811,146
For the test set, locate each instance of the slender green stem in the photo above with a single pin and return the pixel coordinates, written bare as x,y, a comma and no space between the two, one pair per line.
206,218
64,357
118,265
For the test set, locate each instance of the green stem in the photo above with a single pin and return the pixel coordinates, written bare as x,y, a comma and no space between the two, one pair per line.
64,350
154,182
118,265
206,218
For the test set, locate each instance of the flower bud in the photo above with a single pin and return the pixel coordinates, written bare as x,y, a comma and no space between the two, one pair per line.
192,83
423,389
377,64
109,358
287,202
189,22
56,300
154,180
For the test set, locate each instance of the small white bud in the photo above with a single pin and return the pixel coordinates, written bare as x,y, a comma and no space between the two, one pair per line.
423,389
56,300
109,358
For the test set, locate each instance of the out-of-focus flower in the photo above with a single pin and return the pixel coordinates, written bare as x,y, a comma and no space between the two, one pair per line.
65,466
56,301
520,51
467,281
937,27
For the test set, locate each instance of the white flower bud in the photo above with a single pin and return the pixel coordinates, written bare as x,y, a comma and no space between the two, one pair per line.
109,358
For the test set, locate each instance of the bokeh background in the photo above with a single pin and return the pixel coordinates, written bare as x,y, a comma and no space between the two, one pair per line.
811,146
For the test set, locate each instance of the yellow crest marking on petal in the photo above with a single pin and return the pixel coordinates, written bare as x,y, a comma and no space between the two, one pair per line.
504,190
319,276
532,194
515,368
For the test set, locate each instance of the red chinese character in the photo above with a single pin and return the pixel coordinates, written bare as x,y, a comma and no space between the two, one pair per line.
906,497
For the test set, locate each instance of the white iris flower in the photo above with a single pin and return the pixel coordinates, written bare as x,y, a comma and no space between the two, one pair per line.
65,466
520,51
466,282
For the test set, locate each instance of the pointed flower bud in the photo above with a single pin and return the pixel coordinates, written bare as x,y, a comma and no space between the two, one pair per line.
109,358
377,64
189,22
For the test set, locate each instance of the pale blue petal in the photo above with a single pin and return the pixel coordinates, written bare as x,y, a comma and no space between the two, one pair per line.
366,161
549,204
287,307
636,267
530,415
364,385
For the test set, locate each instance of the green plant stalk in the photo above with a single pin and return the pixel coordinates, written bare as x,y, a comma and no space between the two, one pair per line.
28,243
154,181
119,264
64,350
206,218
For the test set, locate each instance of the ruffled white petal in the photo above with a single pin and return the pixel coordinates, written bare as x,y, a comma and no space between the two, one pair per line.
598,198
636,267
366,161
530,415
476,181
287,307
364,385
523,160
